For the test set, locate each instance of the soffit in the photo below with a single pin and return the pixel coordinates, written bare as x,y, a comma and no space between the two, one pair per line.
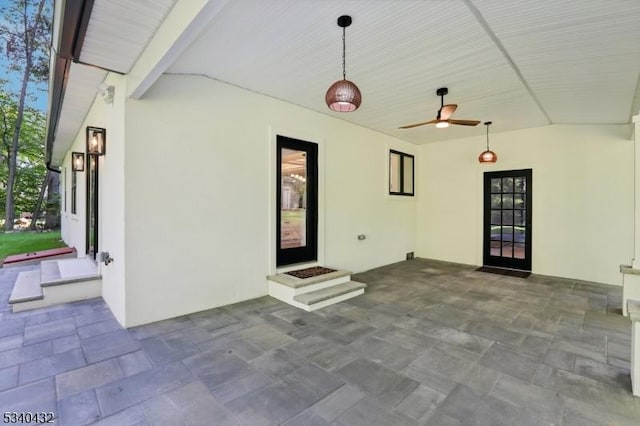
119,30
79,95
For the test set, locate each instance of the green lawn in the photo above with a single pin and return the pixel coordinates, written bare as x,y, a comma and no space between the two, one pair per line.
294,217
28,242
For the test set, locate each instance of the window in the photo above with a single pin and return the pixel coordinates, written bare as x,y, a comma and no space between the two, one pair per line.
400,173
74,184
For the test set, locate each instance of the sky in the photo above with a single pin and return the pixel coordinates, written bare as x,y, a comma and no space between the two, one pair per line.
38,93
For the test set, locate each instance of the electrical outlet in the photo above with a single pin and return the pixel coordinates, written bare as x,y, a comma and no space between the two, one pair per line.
410,255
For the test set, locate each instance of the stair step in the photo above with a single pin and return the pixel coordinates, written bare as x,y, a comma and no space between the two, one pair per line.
27,287
65,271
293,282
318,296
49,271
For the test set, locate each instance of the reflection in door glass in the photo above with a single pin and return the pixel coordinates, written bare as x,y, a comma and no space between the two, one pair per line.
496,185
92,204
507,184
496,217
293,206
496,201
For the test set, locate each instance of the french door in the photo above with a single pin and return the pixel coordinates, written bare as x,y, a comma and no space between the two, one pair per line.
507,219
297,201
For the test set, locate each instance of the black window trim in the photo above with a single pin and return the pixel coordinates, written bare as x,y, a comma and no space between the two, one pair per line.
413,173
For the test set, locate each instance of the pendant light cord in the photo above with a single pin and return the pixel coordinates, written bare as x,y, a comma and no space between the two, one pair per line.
344,48
487,137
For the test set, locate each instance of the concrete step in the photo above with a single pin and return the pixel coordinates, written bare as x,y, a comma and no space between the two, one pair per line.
328,296
289,286
56,282
27,287
66,271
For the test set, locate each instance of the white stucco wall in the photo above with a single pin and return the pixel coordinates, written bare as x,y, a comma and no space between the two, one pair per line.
198,217
582,198
111,196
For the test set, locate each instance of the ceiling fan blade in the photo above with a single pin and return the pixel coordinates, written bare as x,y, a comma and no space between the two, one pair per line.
447,110
409,126
465,122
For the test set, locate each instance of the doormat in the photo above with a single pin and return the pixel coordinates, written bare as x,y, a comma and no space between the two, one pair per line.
310,272
501,271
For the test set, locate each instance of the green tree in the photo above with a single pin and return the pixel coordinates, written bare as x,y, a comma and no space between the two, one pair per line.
30,168
25,31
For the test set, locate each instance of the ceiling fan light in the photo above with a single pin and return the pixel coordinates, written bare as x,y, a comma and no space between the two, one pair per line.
488,156
442,124
343,96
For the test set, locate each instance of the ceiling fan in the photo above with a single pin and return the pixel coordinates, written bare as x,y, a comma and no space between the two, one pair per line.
443,119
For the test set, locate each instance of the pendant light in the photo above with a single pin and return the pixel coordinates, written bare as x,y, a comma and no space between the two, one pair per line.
343,95
488,156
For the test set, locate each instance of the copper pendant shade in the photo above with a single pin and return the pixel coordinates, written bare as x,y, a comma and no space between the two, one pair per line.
343,95
488,156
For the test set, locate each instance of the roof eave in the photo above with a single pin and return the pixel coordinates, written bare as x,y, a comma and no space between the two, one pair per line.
74,20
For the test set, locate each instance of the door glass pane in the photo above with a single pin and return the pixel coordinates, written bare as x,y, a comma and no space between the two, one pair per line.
518,201
507,250
394,172
519,217
496,185
520,184
519,235
507,217
496,217
293,205
408,175
495,248
495,233
496,201
518,251
507,233
91,206
507,184
507,201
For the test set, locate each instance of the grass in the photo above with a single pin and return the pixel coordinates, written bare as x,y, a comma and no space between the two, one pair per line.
28,242
294,217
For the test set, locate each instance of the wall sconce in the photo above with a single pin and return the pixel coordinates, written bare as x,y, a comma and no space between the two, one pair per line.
96,140
77,161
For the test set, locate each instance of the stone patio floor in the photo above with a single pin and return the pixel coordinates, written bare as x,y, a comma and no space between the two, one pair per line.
429,343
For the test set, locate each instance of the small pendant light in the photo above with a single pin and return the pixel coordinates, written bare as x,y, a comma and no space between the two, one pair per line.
488,156
343,95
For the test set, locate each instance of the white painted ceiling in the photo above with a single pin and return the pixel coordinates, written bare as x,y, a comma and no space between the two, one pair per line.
119,30
518,63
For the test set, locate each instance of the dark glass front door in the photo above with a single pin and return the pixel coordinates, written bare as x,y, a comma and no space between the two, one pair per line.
297,201
507,219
